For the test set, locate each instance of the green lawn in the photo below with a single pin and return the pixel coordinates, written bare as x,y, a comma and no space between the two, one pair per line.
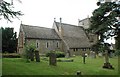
17,66
0,66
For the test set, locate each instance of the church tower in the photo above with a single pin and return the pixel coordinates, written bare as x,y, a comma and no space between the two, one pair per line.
85,23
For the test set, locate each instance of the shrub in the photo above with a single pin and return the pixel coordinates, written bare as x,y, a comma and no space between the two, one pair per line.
48,53
117,52
27,51
59,54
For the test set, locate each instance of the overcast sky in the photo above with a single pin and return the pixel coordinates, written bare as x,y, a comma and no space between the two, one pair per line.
42,12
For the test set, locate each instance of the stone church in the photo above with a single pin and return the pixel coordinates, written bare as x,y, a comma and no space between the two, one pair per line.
61,37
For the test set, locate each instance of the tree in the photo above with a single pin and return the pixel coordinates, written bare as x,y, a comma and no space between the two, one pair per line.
7,12
9,40
106,21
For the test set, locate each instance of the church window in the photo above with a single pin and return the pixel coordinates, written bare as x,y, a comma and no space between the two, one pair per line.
47,45
76,49
83,49
37,44
57,44
89,48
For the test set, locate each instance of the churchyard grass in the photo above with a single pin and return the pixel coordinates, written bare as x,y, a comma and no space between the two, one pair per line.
18,66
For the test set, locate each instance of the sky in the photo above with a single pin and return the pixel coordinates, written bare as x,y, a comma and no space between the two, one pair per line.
42,12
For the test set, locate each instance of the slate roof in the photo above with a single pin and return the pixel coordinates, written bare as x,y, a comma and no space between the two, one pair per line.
39,32
74,36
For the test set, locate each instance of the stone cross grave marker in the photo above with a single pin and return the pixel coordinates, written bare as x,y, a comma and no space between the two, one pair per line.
107,64
84,56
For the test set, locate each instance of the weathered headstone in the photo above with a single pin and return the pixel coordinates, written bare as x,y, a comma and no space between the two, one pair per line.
84,57
52,59
100,54
107,64
67,54
37,56
32,55
92,54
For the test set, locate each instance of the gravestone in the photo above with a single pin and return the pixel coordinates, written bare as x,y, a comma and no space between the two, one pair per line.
92,54
67,54
84,57
37,56
32,55
107,64
100,54
52,59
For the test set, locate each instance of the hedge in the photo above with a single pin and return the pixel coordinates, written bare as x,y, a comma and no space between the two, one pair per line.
59,54
11,55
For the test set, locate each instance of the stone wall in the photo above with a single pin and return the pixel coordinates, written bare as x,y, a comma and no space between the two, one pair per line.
21,42
79,51
42,45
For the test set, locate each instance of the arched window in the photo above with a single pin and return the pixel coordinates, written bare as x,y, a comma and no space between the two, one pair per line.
47,44
57,44
76,49
37,44
73,49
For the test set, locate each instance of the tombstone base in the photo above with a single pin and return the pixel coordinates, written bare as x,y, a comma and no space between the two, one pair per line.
108,66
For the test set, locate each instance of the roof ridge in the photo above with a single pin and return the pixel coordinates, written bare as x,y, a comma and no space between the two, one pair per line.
67,24
71,25
35,26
